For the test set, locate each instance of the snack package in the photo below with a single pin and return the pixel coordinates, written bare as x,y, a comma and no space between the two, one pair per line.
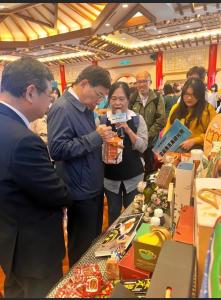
112,151
172,158
86,281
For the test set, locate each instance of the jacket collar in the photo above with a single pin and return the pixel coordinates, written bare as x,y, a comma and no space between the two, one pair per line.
80,106
151,96
5,110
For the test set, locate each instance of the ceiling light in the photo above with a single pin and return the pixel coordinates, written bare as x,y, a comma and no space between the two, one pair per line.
187,26
107,24
124,38
2,6
125,5
159,31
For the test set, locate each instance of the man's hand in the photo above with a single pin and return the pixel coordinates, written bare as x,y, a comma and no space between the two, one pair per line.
105,132
188,144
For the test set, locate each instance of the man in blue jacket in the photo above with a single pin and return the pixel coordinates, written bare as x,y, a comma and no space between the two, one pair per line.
75,145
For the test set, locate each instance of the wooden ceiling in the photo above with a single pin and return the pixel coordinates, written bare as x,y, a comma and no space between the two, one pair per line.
77,32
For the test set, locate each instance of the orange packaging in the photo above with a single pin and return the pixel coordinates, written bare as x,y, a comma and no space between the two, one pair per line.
171,157
112,151
185,157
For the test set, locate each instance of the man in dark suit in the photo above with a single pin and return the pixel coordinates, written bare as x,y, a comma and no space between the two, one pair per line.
31,194
75,146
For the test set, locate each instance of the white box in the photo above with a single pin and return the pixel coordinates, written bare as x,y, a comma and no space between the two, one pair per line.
184,184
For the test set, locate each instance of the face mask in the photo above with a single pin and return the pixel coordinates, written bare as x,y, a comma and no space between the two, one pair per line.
213,89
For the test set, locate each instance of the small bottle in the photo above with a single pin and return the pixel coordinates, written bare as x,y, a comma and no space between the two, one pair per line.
158,212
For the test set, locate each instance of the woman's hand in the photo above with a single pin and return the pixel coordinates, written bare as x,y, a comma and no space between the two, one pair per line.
125,126
188,144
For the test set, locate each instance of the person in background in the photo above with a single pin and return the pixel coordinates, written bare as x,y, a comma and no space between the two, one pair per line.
75,144
193,111
32,195
213,96
56,93
177,88
120,182
169,98
151,106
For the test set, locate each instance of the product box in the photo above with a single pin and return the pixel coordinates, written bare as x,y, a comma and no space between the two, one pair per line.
128,270
174,270
147,245
206,215
184,184
184,231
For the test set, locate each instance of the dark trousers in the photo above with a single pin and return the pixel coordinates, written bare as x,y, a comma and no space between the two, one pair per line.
83,226
115,202
19,287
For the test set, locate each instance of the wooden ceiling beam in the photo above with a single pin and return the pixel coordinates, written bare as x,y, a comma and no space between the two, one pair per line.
205,7
3,17
19,8
10,32
179,9
130,14
53,13
96,7
31,19
104,16
73,7
44,16
192,7
87,10
73,19
19,27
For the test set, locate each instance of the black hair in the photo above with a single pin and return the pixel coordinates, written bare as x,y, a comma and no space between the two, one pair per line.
21,73
215,86
57,90
95,75
200,71
119,84
181,111
168,89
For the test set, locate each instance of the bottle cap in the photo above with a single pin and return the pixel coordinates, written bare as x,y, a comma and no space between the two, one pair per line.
155,221
158,212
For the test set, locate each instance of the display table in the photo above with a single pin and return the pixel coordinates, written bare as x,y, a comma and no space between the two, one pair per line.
89,257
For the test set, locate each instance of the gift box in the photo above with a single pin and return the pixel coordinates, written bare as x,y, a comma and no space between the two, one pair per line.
184,231
207,210
147,246
174,272
127,268
184,184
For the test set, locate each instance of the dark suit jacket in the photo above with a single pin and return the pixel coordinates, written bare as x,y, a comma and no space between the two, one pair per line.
31,201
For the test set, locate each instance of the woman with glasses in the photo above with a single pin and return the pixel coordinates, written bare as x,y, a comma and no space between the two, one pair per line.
121,179
194,112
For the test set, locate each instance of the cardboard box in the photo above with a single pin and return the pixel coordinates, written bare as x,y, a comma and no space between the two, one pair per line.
184,184
205,218
127,268
147,246
174,270
119,291
184,231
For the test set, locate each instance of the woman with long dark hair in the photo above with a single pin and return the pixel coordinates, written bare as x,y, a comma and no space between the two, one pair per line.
193,111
